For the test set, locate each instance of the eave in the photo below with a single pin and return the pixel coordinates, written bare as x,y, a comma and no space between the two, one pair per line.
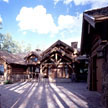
89,19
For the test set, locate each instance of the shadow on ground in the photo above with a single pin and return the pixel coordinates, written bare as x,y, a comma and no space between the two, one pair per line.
48,95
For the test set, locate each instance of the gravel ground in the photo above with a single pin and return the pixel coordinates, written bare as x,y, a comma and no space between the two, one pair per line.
48,95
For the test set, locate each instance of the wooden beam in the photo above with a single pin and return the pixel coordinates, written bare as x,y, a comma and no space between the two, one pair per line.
52,60
63,57
101,18
70,66
59,63
89,19
56,57
52,55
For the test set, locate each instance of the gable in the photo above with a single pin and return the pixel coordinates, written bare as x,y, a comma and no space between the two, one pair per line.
56,57
57,46
94,28
32,58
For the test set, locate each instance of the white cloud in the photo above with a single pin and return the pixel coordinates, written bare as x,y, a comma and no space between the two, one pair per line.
37,20
94,3
24,33
65,21
1,19
73,39
67,1
56,1
7,1
70,28
98,4
70,23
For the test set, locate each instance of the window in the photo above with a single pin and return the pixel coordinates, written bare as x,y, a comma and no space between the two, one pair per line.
34,59
1,70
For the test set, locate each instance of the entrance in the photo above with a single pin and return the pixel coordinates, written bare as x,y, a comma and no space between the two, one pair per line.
34,72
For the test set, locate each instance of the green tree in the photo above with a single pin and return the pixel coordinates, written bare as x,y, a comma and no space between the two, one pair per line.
27,48
1,40
8,44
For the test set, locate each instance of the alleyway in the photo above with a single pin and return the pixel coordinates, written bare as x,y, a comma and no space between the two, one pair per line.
48,95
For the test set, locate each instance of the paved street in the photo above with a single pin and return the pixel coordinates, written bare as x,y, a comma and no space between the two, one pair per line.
48,95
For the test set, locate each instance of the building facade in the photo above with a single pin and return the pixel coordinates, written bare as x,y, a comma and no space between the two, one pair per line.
53,63
94,39
57,62
12,67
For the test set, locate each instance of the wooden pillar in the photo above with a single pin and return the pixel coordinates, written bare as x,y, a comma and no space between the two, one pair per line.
41,74
56,57
28,72
32,71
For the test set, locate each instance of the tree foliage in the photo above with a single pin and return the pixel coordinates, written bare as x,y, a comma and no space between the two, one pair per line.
8,44
27,48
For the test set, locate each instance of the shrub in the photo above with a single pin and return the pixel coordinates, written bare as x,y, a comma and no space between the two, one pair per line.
7,82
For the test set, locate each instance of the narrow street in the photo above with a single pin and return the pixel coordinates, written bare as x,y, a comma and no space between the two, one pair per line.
48,95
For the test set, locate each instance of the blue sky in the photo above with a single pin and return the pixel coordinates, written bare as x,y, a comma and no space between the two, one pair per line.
40,23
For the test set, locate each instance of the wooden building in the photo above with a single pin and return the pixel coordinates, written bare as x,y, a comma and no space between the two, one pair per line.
12,67
33,63
94,39
17,67
57,62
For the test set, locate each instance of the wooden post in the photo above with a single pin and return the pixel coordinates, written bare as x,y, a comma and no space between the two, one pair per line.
56,57
41,76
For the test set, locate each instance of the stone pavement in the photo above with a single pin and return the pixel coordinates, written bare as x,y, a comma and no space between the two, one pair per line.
48,95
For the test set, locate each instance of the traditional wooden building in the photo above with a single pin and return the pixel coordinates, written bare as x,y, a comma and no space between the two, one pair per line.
94,39
17,67
12,67
57,62
80,64
33,63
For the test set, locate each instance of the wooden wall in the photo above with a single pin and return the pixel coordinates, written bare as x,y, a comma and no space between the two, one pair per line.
7,69
95,67
17,69
58,72
99,74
